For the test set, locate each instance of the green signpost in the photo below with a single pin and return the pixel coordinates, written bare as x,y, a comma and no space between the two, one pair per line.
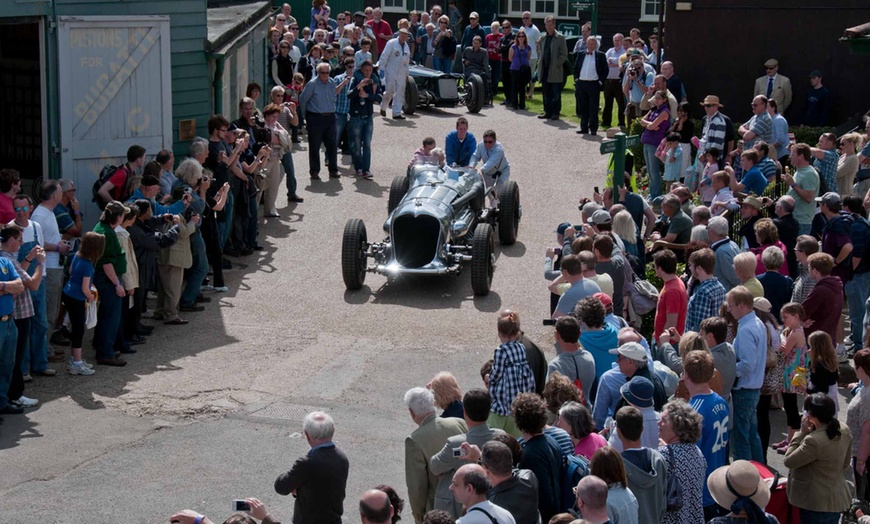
590,7
617,148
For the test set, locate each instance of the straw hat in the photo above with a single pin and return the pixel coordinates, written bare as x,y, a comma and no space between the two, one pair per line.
711,99
740,478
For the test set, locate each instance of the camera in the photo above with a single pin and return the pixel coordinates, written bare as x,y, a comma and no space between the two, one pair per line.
262,135
549,321
241,505
457,452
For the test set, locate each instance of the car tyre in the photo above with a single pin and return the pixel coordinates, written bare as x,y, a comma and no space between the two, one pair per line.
482,263
354,244
412,96
476,92
508,213
398,188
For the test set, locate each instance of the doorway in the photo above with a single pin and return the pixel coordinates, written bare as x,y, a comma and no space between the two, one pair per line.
21,95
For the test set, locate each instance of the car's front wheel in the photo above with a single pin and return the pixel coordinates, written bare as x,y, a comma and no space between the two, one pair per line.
398,188
482,259
412,97
354,244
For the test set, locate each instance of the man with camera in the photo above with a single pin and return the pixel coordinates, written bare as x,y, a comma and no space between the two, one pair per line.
636,83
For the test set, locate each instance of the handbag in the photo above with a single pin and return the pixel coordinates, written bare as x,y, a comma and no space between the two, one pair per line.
643,296
674,495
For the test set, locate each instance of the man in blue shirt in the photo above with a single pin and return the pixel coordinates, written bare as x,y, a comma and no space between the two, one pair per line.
753,180
10,285
750,346
572,273
149,188
460,144
698,371
317,104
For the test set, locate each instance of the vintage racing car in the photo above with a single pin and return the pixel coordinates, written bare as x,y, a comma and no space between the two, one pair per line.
430,87
438,220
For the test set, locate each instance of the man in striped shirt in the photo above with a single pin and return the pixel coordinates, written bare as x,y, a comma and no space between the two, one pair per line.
760,126
713,134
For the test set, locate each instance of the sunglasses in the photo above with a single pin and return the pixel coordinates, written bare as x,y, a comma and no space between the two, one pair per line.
489,141
709,105
20,209
770,68
323,73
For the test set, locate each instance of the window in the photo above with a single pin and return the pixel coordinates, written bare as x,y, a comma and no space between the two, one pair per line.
515,7
417,5
393,6
649,10
545,6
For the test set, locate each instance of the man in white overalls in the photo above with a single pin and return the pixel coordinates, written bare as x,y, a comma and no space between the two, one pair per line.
394,64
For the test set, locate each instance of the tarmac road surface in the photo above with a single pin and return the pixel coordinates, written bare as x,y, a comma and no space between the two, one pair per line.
212,411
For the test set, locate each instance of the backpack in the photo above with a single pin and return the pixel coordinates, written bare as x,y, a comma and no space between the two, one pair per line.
644,296
105,174
573,469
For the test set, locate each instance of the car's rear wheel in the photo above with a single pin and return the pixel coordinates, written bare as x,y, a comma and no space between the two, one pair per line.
482,259
398,188
412,96
509,213
354,244
476,93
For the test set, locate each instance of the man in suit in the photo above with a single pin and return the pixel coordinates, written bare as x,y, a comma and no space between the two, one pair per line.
774,85
318,479
590,71
424,442
476,405
553,52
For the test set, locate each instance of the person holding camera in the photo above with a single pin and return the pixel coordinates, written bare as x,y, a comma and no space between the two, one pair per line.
637,80
253,509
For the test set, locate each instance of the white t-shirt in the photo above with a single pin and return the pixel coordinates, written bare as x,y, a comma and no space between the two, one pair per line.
27,233
50,234
533,34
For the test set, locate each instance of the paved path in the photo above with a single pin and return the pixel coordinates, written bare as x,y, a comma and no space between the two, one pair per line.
211,412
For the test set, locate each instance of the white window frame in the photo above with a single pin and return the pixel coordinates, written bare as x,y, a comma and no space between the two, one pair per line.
415,1
510,12
394,9
649,18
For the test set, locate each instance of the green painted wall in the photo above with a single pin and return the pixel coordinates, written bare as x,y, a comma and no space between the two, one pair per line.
191,89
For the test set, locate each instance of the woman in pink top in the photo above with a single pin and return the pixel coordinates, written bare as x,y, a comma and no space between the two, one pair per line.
767,235
576,419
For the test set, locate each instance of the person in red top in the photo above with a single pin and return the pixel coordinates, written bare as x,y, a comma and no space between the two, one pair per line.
10,185
493,39
825,302
115,187
381,29
673,300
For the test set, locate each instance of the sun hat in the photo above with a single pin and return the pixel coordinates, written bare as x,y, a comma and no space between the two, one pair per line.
638,391
740,479
712,99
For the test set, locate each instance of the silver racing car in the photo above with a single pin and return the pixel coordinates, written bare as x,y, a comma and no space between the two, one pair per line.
438,220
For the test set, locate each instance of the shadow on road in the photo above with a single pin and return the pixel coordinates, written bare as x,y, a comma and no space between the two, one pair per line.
423,292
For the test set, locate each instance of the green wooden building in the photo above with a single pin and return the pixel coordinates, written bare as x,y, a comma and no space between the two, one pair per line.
82,80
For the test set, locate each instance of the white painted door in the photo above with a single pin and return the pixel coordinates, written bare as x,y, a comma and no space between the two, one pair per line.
115,91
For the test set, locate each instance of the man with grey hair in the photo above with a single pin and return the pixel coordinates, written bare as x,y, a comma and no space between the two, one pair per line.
788,229
592,500
700,218
726,250
50,194
679,228
317,480
553,52
470,487
317,104
423,443
375,507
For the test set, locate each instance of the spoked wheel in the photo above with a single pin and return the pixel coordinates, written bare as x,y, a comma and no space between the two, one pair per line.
354,244
509,213
398,188
482,259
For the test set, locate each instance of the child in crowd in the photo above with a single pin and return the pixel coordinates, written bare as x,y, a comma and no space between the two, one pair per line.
363,54
77,293
824,369
723,198
793,347
510,375
705,185
672,157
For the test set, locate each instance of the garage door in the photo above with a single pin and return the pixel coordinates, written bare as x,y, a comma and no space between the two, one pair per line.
115,91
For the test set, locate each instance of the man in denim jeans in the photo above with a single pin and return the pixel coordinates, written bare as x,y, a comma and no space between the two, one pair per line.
858,288
10,285
750,345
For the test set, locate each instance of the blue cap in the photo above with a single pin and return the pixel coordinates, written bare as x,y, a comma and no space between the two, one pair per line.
562,227
638,392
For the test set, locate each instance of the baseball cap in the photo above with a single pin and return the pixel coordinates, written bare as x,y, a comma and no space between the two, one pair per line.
150,181
631,350
600,217
562,227
815,73
605,299
830,199
762,304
